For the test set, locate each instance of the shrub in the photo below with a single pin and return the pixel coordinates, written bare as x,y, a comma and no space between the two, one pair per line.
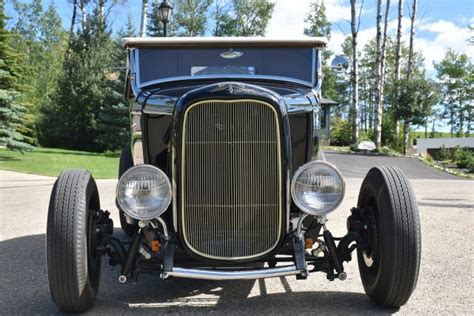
460,154
341,133
443,154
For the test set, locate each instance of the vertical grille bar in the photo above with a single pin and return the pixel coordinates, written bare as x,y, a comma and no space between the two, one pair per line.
231,204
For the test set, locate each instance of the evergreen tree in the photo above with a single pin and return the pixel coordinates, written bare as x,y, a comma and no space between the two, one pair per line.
82,107
113,119
11,107
42,41
155,26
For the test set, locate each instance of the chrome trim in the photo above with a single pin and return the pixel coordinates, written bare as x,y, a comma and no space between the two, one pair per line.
299,226
233,275
279,170
313,67
152,169
163,225
136,141
301,169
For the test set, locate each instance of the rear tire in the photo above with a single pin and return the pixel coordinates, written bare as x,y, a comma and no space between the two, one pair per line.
390,264
73,266
126,162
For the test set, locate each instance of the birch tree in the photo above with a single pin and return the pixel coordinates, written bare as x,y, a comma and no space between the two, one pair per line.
406,125
398,53
84,15
378,75
355,24
381,42
143,22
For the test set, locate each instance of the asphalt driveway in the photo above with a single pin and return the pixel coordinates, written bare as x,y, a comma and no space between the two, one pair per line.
356,166
445,284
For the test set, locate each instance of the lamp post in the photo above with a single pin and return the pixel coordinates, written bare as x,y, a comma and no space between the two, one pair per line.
165,12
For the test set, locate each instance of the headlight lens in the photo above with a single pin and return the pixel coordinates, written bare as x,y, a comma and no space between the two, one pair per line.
317,188
144,192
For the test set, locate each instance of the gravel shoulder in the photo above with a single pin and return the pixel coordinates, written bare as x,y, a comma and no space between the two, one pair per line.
445,284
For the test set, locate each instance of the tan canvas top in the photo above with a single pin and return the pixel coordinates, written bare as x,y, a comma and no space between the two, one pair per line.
223,41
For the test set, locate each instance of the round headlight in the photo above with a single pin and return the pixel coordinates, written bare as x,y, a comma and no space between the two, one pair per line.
317,188
144,192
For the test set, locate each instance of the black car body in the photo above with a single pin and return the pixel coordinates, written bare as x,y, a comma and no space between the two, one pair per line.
223,179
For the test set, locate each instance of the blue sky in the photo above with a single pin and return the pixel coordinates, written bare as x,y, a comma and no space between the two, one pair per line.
442,24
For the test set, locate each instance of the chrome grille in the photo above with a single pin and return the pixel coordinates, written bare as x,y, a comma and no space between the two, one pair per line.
231,179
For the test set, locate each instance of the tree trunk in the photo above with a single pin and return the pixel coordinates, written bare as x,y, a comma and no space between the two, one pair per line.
73,18
101,5
412,38
144,17
84,15
409,71
378,85
354,75
398,54
406,130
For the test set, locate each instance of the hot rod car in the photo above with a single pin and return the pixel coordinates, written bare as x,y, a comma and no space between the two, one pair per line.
223,180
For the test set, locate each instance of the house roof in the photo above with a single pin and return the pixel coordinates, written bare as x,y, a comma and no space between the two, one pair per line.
223,41
329,102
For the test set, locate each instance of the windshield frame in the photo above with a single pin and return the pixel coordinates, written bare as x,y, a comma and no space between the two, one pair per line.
135,71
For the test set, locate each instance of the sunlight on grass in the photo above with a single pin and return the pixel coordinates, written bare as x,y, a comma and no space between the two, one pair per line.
51,161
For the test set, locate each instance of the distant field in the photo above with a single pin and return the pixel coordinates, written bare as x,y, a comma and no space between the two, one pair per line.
50,162
420,134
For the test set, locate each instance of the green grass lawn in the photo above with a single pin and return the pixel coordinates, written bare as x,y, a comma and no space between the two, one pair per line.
51,161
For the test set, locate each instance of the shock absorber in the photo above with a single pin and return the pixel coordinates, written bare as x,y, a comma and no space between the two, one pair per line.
331,246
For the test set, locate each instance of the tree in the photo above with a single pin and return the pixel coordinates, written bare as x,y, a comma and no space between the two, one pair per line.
416,99
247,18
378,102
355,24
143,21
86,108
406,124
11,107
317,24
190,17
154,26
221,17
73,17
42,42
113,120
455,73
316,20
398,51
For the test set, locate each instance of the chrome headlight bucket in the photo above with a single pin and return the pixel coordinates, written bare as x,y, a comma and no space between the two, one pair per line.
317,188
144,192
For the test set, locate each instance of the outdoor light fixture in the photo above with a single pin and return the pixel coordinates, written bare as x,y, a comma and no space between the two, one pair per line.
165,11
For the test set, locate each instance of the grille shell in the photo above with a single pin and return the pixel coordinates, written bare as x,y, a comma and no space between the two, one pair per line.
231,179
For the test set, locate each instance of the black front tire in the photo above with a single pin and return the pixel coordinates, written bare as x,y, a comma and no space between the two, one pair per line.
73,265
390,263
126,162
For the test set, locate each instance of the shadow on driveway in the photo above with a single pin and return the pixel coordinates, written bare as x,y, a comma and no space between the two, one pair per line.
24,290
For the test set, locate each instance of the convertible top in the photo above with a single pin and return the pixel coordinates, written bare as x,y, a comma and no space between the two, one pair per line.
130,42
